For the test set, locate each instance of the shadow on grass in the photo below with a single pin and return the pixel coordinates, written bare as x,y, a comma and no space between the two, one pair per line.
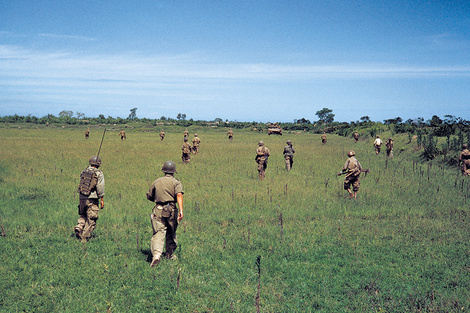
148,253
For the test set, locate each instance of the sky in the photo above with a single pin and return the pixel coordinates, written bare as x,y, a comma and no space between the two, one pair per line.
256,60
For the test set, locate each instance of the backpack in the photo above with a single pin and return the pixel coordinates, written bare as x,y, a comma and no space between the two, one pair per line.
88,181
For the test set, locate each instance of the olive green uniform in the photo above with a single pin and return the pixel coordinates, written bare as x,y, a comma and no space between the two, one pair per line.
89,207
164,217
289,156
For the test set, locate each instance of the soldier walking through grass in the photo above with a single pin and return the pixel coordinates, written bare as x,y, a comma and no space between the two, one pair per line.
122,133
186,151
323,138
162,135
196,141
262,155
377,144
389,145
230,135
289,155
464,160
91,190
167,193
356,136
87,133
352,168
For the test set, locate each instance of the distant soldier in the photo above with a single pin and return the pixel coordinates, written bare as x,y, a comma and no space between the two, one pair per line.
262,155
377,144
122,133
230,135
91,190
186,133
289,155
352,168
389,145
323,138
87,133
356,136
186,148
464,160
167,193
196,141
162,135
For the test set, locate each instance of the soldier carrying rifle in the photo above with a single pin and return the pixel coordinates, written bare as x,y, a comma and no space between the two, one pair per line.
262,155
352,168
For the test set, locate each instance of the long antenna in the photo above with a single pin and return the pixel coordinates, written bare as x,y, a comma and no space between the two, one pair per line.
101,143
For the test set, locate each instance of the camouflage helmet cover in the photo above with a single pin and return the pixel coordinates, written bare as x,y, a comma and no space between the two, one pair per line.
169,167
95,160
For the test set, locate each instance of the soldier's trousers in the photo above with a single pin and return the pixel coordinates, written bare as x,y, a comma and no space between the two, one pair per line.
164,231
87,221
289,161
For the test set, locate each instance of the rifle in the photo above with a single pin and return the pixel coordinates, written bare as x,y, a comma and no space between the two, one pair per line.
362,171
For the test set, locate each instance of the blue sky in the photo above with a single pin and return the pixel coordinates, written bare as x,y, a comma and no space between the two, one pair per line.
236,60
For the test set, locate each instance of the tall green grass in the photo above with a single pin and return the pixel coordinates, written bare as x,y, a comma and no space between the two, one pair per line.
402,246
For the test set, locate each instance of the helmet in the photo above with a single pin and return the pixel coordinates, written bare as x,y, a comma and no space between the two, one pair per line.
185,139
95,160
195,135
289,142
169,167
464,146
260,143
351,153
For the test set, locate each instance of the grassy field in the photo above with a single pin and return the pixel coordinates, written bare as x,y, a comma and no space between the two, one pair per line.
290,243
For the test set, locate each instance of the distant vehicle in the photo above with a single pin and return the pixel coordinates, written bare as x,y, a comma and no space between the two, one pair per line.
274,129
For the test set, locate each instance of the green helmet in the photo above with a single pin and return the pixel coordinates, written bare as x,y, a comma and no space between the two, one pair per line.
95,160
169,167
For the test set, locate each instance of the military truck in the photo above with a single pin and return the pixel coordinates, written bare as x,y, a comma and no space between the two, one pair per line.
274,129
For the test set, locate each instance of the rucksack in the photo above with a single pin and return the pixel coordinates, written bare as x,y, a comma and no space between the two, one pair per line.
88,181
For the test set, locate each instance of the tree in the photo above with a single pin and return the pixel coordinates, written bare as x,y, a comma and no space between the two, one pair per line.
435,121
325,115
365,119
132,115
80,115
396,120
65,113
302,121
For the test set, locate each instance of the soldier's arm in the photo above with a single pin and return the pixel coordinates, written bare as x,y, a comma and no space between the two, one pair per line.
179,199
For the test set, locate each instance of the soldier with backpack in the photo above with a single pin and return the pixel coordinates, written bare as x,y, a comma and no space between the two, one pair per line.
262,155
352,168
91,190
186,148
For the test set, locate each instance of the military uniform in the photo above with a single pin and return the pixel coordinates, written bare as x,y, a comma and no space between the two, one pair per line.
186,134
166,192
323,138
122,133
87,133
356,136
377,144
464,160
230,135
389,145
289,155
162,135
88,208
186,149
262,154
196,141
352,168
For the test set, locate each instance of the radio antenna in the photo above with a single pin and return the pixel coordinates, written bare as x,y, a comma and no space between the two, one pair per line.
101,143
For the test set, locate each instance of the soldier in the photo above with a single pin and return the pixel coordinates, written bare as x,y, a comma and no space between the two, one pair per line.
262,155
122,133
162,135
323,138
289,155
389,145
230,135
186,133
166,192
196,141
464,160
377,145
186,148
91,189
87,133
352,168
356,136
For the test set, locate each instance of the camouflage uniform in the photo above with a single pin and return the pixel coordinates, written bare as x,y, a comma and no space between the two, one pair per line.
88,208
289,155
164,218
186,148
323,138
196,141
262,154
464,160
389,145
352,168
122,133
162,135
